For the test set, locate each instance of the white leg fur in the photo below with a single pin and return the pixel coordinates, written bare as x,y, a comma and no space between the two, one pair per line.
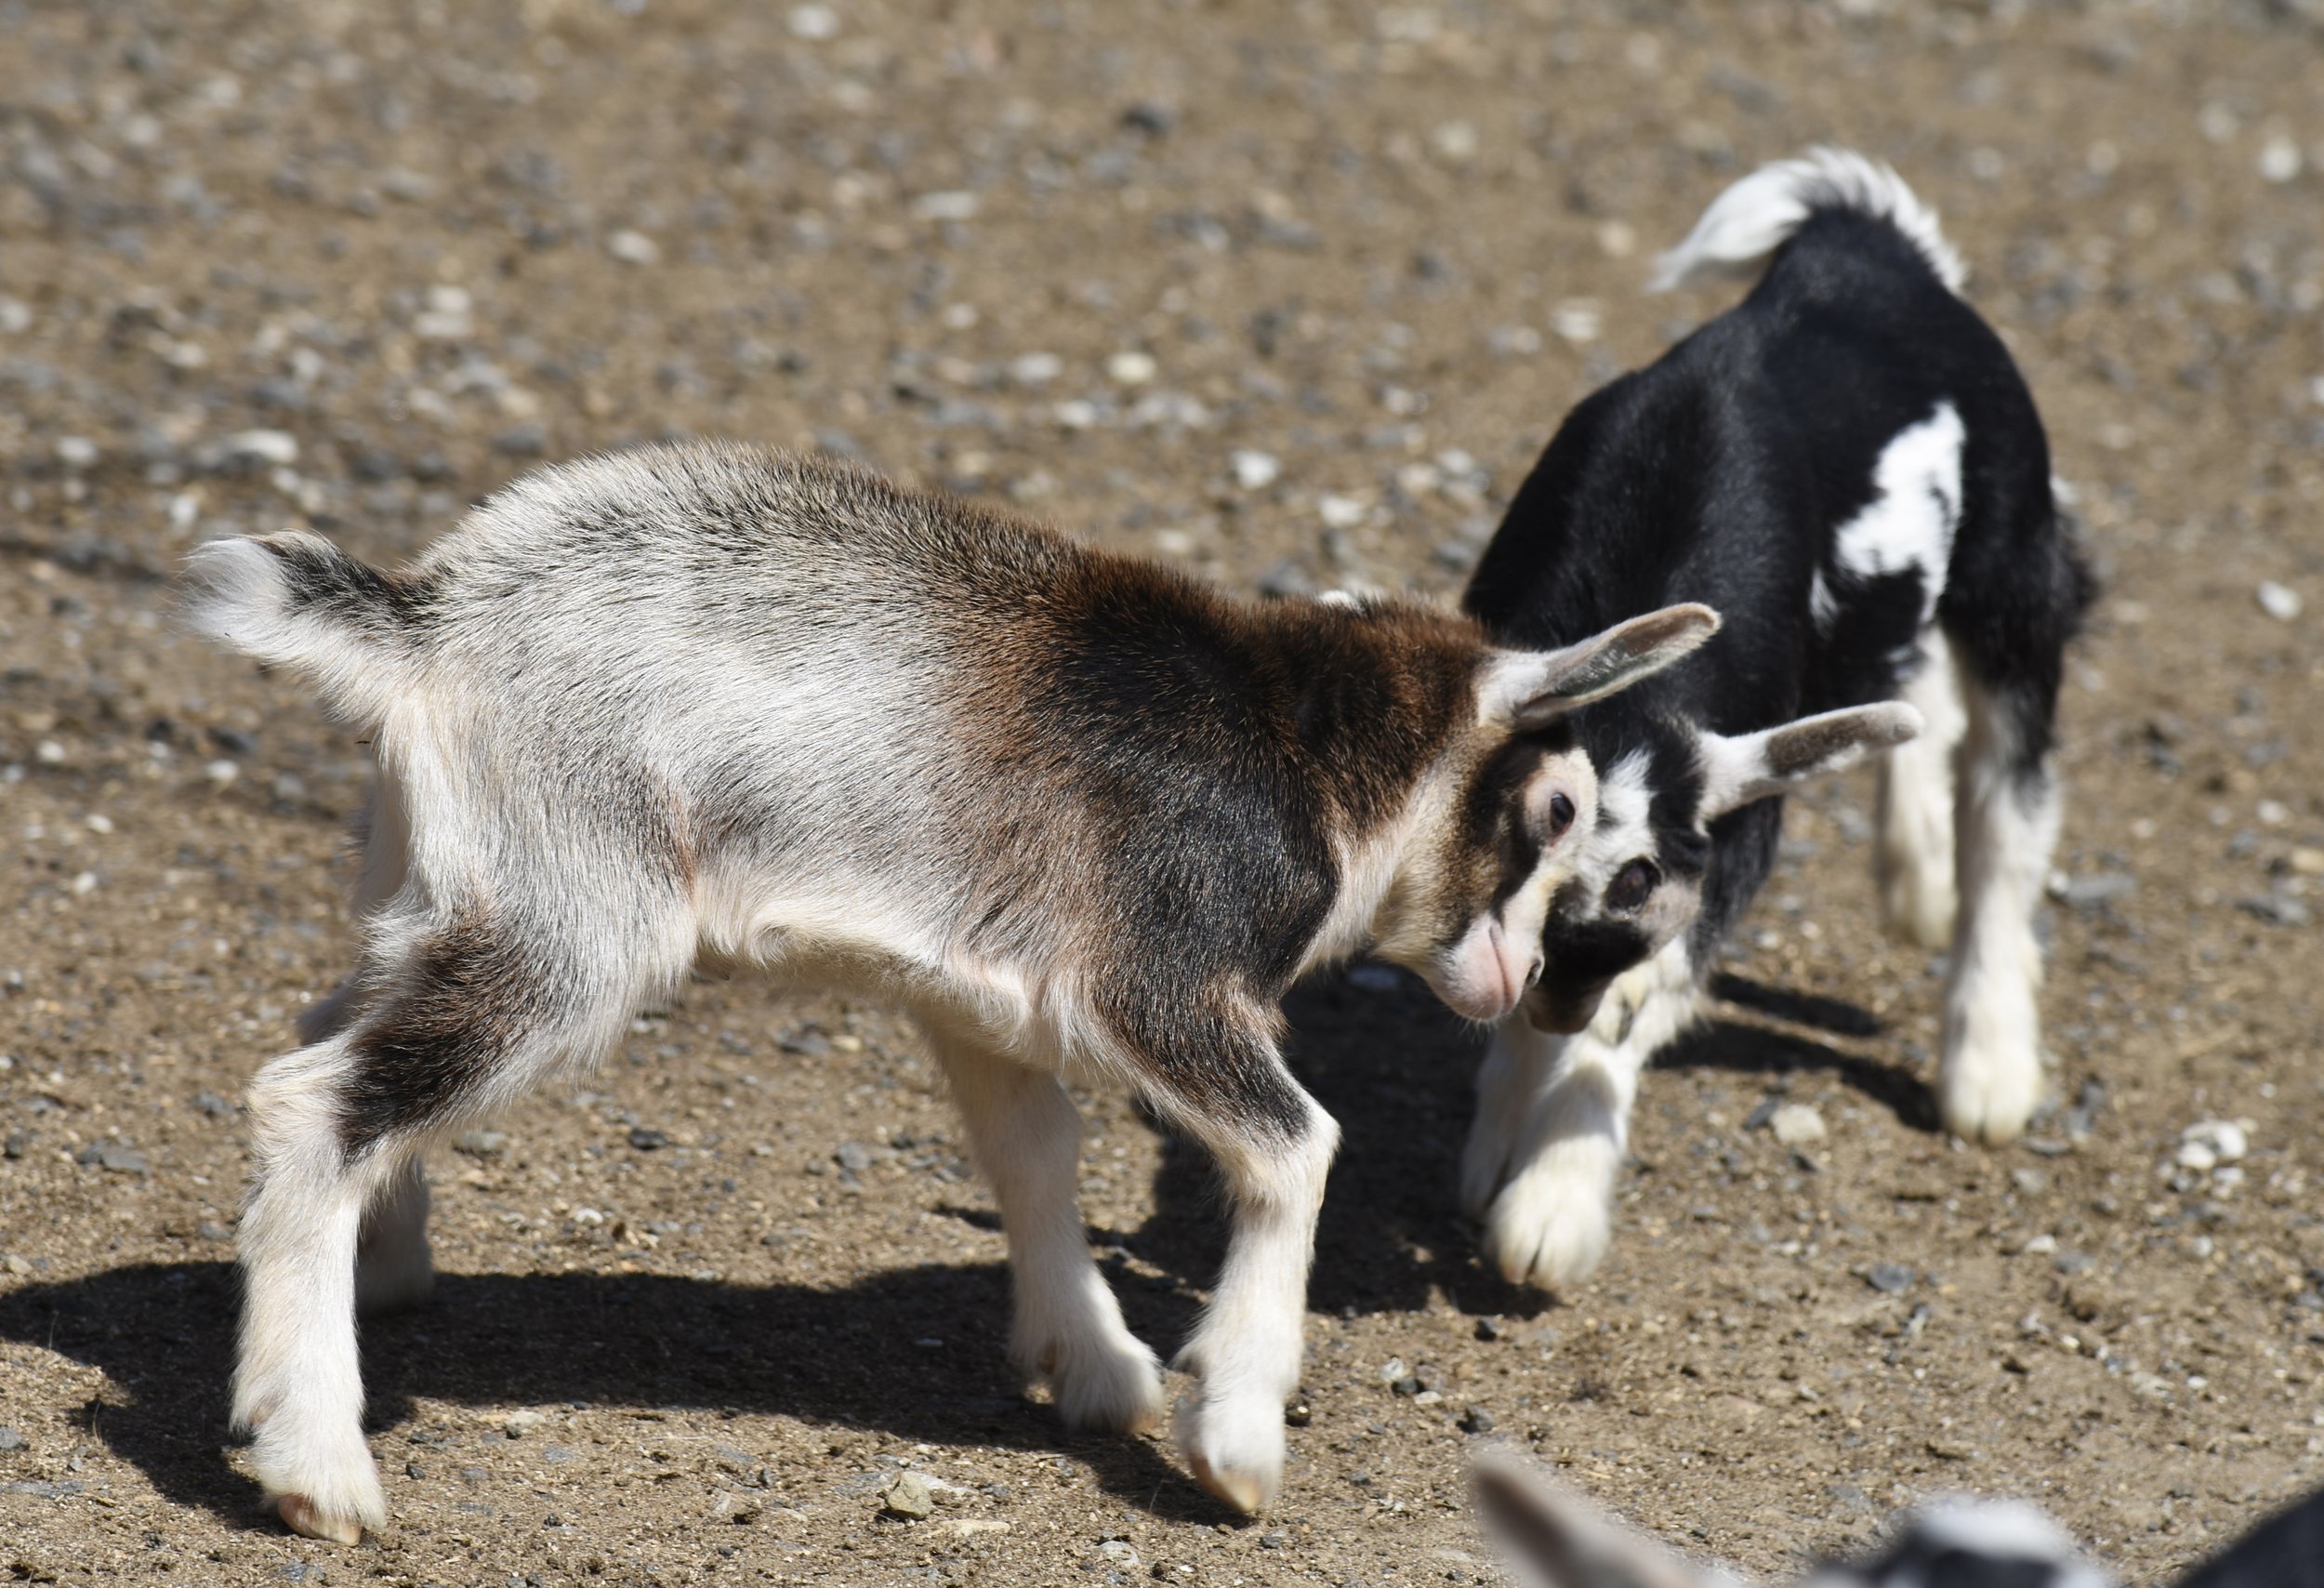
392,1267
1068,1328
1247,1348
1990,1076
297,1384
1549,1181
1913,857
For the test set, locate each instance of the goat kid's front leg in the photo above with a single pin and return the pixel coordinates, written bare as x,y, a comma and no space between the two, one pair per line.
1554,1120
1247,1348
1068,1330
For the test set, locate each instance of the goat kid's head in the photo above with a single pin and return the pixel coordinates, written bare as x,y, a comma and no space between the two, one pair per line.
1466,909
1555,1539
1636,881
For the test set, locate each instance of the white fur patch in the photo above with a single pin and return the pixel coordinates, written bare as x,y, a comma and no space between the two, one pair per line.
1908,526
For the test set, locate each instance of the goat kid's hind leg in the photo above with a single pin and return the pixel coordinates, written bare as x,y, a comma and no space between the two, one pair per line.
393,1268
1068,1328
1913,853
466,1011
298,1382
1274,1145
2007,809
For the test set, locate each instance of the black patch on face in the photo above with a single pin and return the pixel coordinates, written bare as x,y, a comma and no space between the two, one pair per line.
460,1000
1493,835
1580,955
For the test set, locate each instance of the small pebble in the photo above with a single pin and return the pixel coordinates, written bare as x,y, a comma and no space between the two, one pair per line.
854,1157
1797,1125
1890,1278
2279,601
481,1144
909,1496
1254,470
633,247
517,1425
645,1140
1130,367
10,1439
2209,1142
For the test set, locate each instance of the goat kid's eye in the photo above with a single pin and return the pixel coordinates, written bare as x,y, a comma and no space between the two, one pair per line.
1561,815
1631,885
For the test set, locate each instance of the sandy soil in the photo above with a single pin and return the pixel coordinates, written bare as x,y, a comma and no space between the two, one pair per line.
354,265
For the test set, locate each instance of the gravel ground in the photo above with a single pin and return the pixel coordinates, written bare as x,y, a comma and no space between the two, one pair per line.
1290,293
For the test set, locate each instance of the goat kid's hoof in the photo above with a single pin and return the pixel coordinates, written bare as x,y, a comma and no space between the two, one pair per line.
1235,1449
1544,1231
302,1516
1117,1390
1983,1100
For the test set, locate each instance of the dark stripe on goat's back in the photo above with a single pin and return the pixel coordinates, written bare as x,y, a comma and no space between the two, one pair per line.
325,580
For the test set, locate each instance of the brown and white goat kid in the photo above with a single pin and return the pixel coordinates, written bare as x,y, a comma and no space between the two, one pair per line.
1082,816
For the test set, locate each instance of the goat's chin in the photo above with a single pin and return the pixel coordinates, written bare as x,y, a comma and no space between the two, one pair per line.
1486,997
1563,1017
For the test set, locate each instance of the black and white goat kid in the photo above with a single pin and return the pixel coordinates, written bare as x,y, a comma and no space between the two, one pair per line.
1850,465
1082,816
1556,1538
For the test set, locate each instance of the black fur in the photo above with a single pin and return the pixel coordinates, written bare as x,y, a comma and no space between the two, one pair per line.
1722,473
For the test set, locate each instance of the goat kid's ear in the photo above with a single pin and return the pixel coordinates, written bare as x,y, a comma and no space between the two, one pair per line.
1751,766
1530,689
1553,1539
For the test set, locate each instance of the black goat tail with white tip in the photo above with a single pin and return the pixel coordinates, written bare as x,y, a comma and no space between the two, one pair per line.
1760,214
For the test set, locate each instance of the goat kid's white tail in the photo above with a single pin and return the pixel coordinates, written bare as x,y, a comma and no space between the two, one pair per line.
296,601
1758,213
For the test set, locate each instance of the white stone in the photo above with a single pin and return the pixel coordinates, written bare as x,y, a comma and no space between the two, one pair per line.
2279,601
814,23
1578,319
1254,470
2279,158
278,448
1797,1124
1035,369
955,205
1130,367
633,247
1341,512
2226,1140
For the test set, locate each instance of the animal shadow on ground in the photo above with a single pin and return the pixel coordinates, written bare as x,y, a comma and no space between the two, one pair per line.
1396,1070
918,1353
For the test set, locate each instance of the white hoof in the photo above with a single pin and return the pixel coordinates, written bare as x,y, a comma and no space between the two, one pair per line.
1987,1092
1550,1227
1233,1446
1918,904
1110,1383
321,1484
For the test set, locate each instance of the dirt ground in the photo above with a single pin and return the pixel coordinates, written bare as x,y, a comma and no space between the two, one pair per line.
353,265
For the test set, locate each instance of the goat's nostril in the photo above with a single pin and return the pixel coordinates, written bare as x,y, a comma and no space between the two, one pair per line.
1533,971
